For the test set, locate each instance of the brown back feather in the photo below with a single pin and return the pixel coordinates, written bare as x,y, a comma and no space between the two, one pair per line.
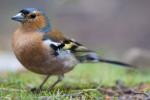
56,35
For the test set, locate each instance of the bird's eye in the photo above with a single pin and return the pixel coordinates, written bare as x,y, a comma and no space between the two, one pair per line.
32,16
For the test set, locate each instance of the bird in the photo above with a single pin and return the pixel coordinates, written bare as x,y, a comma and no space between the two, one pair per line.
47,51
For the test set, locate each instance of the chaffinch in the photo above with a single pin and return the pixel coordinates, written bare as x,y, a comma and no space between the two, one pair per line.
46,51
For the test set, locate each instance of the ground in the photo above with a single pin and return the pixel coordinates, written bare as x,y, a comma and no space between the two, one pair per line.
86,81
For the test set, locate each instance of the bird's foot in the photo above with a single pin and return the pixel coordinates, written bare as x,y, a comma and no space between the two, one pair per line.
36,90
49,90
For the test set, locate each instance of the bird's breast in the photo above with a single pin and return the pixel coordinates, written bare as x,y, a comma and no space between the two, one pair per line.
30,51
38,57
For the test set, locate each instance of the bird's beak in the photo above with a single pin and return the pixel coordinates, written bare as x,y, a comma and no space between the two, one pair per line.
18,17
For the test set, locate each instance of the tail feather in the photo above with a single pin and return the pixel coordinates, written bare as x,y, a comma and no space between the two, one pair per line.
93,57
115,62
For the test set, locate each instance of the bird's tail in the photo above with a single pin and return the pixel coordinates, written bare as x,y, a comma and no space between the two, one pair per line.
115,62
93,57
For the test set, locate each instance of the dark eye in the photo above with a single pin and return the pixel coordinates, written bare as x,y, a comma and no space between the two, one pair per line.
32,16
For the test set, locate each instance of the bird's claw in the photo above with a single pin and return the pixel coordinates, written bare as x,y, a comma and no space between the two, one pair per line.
36,90
49,90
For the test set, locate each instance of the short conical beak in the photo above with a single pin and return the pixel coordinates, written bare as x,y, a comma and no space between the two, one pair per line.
18,17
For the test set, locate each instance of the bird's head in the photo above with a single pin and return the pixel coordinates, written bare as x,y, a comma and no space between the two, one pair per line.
34,19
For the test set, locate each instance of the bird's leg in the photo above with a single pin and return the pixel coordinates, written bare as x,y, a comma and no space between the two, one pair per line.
60,78
37,90
41,85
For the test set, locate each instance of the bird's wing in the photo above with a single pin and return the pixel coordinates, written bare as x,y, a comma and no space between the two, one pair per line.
59,42
83,54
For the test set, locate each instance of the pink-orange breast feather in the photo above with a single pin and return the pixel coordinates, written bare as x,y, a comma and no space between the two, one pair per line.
29,50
